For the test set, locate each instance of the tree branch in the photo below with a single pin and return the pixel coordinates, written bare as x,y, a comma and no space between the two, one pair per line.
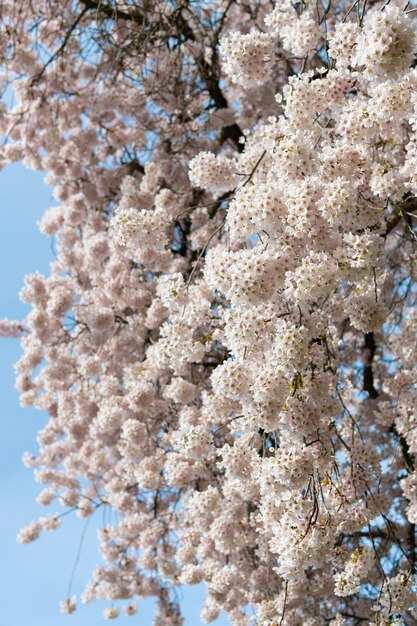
113,12
368,353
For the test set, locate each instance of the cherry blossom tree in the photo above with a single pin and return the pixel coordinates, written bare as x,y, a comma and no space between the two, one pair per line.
226,342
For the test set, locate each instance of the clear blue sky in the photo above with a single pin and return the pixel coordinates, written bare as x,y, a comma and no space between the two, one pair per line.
34,577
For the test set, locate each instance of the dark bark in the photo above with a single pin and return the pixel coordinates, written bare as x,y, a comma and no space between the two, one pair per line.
368,353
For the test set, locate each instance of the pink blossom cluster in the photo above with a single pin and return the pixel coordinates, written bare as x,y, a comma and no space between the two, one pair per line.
226,342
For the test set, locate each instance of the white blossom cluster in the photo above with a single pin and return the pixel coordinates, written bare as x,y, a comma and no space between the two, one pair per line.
248,59
226,341
211,172
358,565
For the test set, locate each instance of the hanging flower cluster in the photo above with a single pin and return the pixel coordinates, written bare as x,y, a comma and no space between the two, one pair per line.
226,341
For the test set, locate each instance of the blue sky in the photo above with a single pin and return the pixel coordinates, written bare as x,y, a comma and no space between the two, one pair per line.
35,577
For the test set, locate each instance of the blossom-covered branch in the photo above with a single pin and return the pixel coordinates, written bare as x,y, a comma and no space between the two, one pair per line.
226,341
